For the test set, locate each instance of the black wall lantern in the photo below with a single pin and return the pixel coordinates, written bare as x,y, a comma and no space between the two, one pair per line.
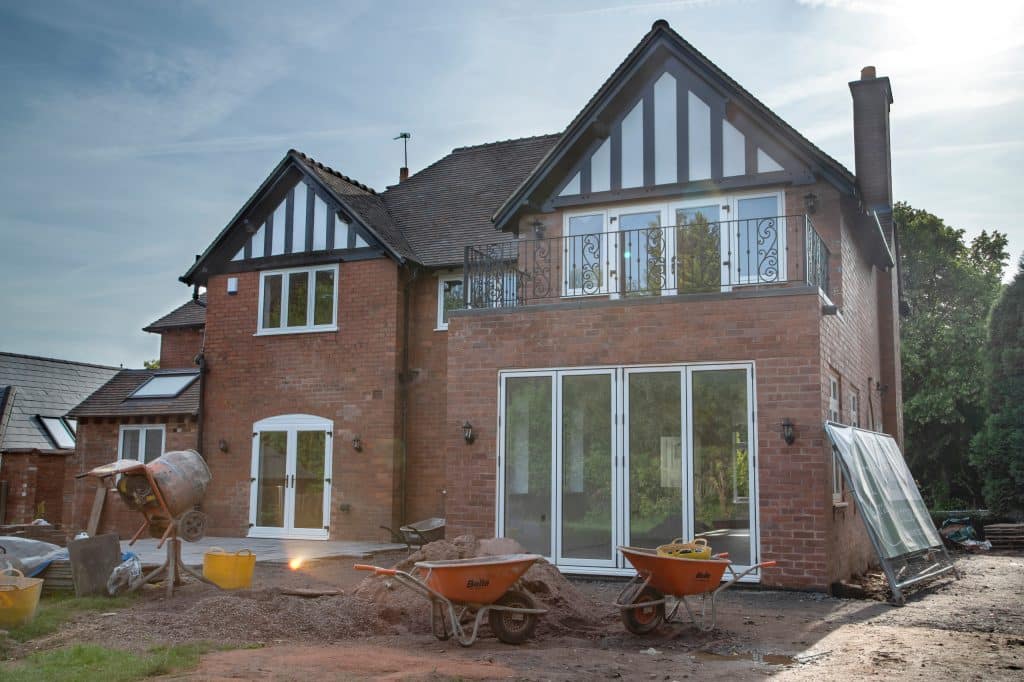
357,443
538,229
811,202
788,433
467,432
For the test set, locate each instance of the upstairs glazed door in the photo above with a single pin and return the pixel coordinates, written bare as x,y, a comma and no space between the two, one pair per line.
291,478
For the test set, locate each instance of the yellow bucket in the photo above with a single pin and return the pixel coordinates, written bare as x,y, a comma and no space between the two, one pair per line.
698,549
229,571
19,598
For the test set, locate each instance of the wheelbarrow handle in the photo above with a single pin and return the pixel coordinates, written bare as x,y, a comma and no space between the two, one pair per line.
768,563
376,569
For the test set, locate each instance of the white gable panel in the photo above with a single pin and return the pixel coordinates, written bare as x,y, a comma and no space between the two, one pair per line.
341,234
299,207
633,147
320,236
258,241
281,221
699,138
277,239
665,151
360,241
240,254
765,163
601,168
734,154
572,187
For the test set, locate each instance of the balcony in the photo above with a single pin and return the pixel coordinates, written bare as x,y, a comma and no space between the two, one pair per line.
675,260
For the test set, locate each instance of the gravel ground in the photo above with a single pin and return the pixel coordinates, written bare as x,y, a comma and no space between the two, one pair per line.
971,628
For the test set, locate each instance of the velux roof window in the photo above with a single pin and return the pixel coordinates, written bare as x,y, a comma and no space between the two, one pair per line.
60,432
164,386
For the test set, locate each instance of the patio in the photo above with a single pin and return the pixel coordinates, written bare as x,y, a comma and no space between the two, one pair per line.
266,549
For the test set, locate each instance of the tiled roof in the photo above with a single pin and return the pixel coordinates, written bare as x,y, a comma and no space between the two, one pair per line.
448,205
363,200
111,399
42,386
189,314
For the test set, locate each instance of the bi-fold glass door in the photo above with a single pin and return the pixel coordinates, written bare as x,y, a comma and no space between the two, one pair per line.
595,458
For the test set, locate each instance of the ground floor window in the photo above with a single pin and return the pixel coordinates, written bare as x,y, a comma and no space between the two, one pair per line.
290,492
144,442
595,458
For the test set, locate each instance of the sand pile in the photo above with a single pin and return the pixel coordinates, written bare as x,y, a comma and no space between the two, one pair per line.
569,610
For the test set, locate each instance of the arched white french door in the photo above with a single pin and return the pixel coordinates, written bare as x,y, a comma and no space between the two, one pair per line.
290,483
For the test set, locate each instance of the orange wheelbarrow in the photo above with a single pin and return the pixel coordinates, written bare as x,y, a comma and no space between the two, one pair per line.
644,599
484,586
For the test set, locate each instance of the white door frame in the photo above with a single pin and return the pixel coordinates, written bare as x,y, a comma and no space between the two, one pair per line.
613,227
291,425
613,465
620,480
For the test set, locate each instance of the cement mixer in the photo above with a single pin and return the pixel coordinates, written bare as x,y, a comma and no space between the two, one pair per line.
165,491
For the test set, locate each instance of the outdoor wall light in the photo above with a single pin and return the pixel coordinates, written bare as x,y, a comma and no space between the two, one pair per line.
467,432
222,445
538,229
788,432
357,443
811,202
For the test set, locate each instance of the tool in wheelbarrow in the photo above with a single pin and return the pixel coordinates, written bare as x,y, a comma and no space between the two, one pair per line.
419,533
485,586
166,492
644,599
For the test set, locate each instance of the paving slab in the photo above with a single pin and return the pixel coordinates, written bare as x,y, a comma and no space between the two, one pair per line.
266,549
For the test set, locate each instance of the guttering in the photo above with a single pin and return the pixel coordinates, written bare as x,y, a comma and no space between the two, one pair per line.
403,383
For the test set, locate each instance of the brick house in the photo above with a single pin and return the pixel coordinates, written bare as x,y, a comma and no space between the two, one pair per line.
622,333
37,439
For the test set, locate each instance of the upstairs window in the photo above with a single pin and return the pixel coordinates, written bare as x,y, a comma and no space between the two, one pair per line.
298,300
450,296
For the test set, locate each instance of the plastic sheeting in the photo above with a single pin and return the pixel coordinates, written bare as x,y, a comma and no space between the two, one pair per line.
885,491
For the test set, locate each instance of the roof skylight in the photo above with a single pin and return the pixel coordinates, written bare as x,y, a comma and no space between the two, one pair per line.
164,386
59,432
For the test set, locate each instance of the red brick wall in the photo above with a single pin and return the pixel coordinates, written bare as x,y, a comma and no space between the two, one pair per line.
178,347
349,376
34,486
778,333
96,444
428,419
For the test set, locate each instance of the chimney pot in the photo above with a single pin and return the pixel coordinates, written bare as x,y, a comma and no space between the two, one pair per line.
867,73
403,174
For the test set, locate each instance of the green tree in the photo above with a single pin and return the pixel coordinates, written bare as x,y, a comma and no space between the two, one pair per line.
950,287
151,364
998,449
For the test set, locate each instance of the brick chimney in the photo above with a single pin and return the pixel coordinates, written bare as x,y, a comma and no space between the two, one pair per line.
871,99
403,174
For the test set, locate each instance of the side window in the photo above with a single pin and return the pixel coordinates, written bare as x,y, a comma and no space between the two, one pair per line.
835,415
854,408
143,443
450,296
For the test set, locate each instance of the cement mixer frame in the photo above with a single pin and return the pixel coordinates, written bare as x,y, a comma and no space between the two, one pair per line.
159,506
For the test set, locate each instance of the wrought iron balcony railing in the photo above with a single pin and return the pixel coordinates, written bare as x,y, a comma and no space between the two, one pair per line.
698,257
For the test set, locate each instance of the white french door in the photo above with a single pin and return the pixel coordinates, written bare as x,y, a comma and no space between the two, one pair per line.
290,483
590,459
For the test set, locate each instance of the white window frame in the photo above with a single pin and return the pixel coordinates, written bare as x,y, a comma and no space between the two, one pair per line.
613,218
835,415
442,324
565,285
855,408
64,427
732,201
141,428
310,301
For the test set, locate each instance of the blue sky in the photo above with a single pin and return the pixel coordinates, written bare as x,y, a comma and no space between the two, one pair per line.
131,132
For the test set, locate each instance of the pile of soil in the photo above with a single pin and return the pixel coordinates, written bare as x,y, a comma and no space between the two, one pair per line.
569,610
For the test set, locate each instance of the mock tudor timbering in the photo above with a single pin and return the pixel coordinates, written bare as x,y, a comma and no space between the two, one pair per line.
334,426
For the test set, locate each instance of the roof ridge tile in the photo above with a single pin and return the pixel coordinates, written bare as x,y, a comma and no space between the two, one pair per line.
327,169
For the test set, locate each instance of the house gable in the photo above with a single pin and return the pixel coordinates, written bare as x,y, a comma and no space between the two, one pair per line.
669,122
303,213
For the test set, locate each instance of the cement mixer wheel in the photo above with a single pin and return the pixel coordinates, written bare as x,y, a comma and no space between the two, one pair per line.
192,526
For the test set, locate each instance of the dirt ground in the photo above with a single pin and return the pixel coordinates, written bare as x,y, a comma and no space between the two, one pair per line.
971,628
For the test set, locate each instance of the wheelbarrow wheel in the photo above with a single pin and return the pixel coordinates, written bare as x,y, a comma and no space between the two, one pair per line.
644,620
511,627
